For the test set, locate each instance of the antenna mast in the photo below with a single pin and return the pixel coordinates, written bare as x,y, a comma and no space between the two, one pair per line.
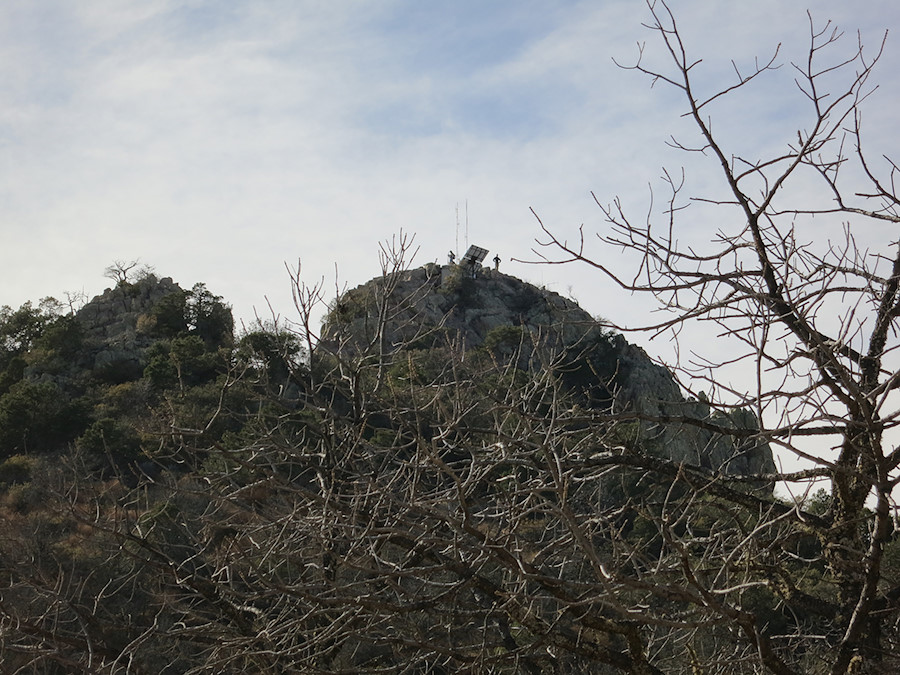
467,223
457,228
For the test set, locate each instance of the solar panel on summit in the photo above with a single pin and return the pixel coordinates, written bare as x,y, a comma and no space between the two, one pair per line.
474,255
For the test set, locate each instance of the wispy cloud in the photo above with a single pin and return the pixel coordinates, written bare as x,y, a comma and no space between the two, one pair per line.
216,141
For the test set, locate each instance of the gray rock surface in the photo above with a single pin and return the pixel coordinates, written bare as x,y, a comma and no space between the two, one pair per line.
116,324
451,304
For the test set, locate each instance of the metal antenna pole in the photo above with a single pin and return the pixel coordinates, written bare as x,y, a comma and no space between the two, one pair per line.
457,229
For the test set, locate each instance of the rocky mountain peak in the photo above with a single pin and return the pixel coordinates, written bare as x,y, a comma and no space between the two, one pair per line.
115,314
470,306
454,299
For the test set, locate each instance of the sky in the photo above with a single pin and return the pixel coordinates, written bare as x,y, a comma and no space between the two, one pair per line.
220,142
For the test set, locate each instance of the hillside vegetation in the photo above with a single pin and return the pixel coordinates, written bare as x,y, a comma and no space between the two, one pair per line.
465,473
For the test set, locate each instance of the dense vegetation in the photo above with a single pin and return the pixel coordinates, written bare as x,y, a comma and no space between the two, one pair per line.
62,387
388,495
177,498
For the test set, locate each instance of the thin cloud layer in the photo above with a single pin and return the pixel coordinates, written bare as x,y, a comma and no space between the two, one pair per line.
216,142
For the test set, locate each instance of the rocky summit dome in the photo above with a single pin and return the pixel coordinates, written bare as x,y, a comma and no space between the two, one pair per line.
470,307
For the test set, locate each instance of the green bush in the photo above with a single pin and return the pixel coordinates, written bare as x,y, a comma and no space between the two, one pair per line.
37,417
17,469
504,341
168,315
111,438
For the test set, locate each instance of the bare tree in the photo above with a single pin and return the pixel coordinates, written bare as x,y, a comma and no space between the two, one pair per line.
816,319
413,509
421,506
123,271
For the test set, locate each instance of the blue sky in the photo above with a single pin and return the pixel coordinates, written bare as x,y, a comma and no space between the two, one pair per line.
216,141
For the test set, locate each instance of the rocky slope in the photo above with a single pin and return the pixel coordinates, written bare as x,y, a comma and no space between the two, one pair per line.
413,309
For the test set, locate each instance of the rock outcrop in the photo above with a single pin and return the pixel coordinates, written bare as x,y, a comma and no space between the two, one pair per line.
456,303
450,300
118,325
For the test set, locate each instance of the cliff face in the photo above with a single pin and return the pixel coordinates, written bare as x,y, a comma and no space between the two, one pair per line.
417,307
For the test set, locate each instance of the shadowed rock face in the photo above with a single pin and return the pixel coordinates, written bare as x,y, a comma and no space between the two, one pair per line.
441,305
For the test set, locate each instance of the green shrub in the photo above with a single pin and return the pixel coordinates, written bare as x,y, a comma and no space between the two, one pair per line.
17,469
168,315
111,438
37,417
